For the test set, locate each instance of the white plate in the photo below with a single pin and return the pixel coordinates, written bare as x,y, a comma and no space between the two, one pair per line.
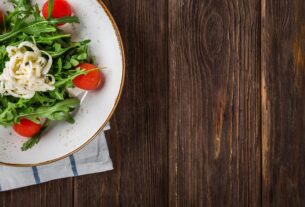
97,107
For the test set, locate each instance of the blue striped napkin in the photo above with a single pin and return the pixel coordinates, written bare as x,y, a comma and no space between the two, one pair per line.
93,158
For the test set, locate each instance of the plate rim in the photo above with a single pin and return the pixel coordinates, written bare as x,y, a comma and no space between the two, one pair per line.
122,50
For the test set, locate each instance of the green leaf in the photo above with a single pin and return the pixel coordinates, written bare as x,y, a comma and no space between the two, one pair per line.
35,139
31,142
25,28
82,56
56,54
64,20
50,8
50,39
58,95
37,29
21,4
50,112
8,114
59,66
67,65
57,47
79,45
69,78
74,62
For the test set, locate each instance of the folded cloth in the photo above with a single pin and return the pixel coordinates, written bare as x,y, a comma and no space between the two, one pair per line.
93,158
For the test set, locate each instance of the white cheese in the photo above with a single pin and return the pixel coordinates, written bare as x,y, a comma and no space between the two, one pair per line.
26,72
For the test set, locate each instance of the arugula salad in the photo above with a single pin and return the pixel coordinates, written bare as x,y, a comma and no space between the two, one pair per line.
39,64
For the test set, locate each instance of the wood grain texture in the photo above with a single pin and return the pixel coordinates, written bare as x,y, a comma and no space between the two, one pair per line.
214,54
55,193
283,80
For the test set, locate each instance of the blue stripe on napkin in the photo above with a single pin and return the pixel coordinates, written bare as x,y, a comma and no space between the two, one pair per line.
36,175
73,165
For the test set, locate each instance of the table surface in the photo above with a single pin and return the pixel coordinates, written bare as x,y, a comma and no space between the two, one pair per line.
212,114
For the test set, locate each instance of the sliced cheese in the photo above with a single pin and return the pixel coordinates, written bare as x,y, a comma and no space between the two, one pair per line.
26,72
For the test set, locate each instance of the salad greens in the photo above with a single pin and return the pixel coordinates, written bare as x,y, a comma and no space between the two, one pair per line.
25,23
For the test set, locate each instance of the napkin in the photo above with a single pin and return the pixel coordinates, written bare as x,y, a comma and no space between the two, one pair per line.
93,158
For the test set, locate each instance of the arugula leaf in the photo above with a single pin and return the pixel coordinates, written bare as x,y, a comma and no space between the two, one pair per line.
50,8
8,114
35,26
31,142
49,39
60,51
3,57
38,27
58,112
35,139
64,20
24,5
22,10
59,66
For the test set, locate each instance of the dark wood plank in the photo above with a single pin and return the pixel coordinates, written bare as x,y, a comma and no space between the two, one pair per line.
214,103
56,193
283,80
138,140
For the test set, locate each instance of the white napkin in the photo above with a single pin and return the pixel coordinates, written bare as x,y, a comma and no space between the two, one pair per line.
93,158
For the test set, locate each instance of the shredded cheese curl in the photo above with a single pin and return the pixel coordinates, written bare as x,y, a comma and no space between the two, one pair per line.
26,72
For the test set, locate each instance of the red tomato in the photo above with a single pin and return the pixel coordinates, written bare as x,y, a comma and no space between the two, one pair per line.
90,81
1,17
27,128
61,9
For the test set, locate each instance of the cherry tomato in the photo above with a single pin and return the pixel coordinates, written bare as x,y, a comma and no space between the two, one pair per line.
27,128
61,9
90,81
1,17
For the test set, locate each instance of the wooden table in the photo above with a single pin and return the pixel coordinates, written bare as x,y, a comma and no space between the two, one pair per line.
212,114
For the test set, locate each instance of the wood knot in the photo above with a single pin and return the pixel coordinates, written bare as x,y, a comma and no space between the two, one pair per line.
213,34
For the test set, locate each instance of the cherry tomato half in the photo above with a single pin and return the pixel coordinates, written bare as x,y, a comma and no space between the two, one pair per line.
61,9
90,81
27,128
